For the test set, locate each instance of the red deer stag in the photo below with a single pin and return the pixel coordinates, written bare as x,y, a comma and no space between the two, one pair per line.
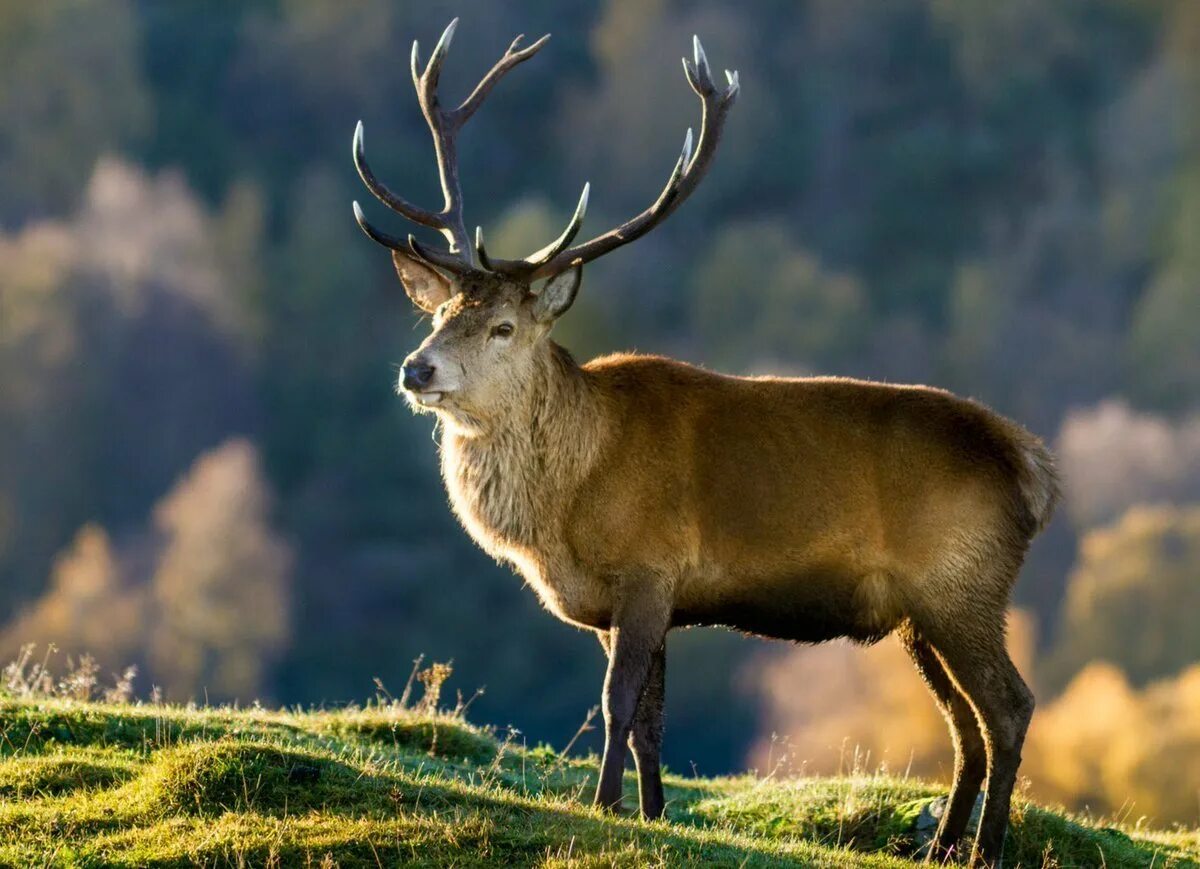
637,494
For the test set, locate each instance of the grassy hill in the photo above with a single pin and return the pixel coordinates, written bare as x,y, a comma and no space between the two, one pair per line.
89,783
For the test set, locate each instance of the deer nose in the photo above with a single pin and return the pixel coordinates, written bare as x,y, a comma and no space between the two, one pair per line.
417,374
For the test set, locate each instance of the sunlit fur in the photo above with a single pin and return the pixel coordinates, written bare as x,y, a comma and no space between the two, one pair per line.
797,508
640,493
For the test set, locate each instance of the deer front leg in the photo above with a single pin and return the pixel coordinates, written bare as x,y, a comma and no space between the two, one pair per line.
646,739
640,623
646,736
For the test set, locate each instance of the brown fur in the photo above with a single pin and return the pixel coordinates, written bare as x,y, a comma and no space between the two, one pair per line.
800,509
637,493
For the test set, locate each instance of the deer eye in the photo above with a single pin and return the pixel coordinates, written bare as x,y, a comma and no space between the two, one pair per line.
502,330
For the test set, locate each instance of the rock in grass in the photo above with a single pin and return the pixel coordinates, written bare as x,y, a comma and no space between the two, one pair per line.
926,825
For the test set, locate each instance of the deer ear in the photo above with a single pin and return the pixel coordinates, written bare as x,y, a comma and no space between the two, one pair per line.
558,294
427,287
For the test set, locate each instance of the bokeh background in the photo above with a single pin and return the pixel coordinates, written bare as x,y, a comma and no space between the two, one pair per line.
204,470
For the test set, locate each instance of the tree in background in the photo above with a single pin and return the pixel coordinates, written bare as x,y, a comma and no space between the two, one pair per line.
837,707
89,607
70,89
1110,748
203,601
1113,457
1133,597
991,197
762,302
1037,304
1164,343
221,590
1102,745
90,431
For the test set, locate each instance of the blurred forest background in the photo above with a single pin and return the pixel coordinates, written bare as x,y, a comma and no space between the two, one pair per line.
204,470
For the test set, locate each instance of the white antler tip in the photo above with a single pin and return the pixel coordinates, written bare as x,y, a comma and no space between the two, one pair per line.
447,36
358,212
698,50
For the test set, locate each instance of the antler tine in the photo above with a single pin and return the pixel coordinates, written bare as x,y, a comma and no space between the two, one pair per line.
445,124
686,174
376,235
511,58
414,64
383,193
481,251
449,220
443,130
557,246
523,268
445,261
558,255
433,70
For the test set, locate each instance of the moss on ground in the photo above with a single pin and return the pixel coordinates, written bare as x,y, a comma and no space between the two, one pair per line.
30,776
90,784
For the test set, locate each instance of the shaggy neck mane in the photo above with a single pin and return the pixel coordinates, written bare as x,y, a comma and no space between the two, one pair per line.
512,484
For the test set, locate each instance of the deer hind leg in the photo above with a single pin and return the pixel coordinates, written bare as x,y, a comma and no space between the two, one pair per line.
970,753
977,660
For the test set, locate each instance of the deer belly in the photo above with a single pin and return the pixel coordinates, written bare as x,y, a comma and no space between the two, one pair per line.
809,606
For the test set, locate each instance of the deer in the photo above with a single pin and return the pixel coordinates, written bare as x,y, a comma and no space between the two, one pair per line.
636,494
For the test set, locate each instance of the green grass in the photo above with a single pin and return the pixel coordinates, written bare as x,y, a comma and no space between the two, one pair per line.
94,784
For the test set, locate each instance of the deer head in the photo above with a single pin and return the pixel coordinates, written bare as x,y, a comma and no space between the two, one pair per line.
490,327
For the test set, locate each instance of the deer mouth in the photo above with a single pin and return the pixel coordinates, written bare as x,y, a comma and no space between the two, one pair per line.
432,398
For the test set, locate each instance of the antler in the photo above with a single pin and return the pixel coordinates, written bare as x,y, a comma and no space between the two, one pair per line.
555,257
444,125
689,169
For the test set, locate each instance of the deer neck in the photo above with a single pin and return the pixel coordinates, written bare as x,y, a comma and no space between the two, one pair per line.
512,484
